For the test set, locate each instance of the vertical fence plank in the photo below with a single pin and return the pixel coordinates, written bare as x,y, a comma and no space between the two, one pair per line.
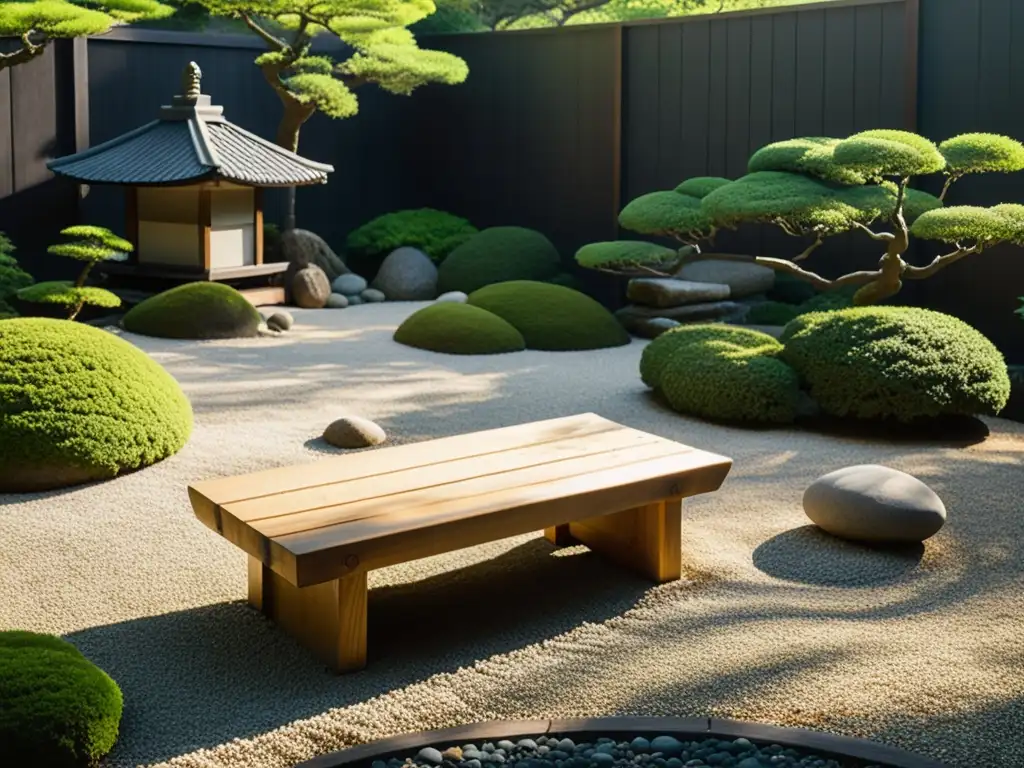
696,88
670,115
810,73
737,125
718,110
867,62
783,93
840,30
6,136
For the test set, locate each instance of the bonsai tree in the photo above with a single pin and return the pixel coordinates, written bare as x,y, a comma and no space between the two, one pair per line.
12,277
384,52
36,22
675,214
92,245
821,187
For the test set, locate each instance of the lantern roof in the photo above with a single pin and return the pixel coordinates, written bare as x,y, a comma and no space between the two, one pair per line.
190,141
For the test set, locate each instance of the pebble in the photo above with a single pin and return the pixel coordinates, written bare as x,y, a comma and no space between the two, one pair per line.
602,759
429,755
566,745
527,744
506,745
668,745
452,753
640,745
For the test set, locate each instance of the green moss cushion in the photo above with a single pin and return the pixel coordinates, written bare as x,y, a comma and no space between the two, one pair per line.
497,255
552,317
57,709
79,404
436,233
895,362
195,311
715,372
459,329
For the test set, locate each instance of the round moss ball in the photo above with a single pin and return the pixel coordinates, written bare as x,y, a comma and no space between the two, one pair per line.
458,329
497,255
552,317
657,353
195,311
79,404
896,362
57,709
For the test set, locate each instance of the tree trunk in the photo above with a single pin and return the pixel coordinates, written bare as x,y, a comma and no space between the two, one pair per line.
295,114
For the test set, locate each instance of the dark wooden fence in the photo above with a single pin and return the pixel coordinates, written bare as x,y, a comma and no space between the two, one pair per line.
555,129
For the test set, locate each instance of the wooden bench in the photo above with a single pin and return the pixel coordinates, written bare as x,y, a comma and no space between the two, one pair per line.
313,532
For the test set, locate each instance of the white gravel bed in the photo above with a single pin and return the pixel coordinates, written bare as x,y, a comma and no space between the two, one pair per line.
776,623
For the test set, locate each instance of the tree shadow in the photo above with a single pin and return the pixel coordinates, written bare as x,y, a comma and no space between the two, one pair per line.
810,556
201,677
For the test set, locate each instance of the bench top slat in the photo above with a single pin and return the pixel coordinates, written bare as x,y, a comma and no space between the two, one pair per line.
270,482
389,487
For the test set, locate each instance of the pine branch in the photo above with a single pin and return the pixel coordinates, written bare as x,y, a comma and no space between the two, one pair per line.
885,237
939,262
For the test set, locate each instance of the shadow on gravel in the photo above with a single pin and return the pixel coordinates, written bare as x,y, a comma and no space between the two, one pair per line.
202,677
810,556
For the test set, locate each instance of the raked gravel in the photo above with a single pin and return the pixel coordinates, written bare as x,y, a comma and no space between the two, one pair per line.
775,622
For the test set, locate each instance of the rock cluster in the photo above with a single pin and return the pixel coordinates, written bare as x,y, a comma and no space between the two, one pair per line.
701,291
349,290
659,752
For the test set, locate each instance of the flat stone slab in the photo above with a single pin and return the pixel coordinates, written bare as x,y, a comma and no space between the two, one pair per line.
650,327
876,504
690,312
669,292
744,278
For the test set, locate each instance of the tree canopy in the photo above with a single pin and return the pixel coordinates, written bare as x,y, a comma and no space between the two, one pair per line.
36,22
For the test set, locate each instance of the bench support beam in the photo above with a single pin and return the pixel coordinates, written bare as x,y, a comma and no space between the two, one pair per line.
646,539
328,618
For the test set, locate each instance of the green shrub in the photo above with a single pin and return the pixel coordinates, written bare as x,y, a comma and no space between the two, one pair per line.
715,373
626,254
701,186
895,362
772,313
887,152
664,213
656,354
436,233
79,404
458,329
12,277
982,153
497,255
812,155
552,317
195,311
57,709
791,290
779,313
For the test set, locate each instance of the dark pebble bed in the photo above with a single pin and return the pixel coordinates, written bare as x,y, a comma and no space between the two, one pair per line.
657,752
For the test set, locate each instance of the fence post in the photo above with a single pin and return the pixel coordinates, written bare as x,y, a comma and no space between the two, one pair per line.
71,76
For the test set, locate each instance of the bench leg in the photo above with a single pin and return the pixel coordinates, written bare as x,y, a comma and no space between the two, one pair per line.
560,536
328,618
647,539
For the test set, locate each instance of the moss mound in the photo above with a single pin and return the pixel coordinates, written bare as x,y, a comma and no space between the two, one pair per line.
722,373
896,362
552,317
195,311
780,313
458,329
79,404
436,233
57,709
497,255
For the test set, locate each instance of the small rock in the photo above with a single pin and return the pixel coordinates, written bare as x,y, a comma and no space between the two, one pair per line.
488,747
673,762
452,753
640,744
602,759
280,320
506,745
744,278
527,743
497,757
429,755
473,763
668,292
354,300
454,297
348,284
608,747
543,749
378,764
566,745
651,327
690,312
337,301
668,745
407,274
310,287
872,503
372,296
302,247
354,432
750,762
469,748
470,752
558,754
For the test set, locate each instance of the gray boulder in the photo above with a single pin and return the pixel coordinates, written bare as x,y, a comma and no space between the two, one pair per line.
355,299
651,327
354,432
668,292
744,278
453,297
302,247
337,301
877,504
310,287
348,284
407,274
688,313
372,296
280,320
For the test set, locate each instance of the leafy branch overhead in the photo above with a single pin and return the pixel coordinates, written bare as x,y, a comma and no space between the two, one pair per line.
383,53
36,22
814,188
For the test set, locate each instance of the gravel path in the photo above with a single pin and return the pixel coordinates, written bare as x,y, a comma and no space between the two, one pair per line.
777,623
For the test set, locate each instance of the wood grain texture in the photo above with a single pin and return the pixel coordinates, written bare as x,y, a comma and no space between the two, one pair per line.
647,539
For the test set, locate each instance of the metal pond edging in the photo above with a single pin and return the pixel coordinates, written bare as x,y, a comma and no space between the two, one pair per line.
826,744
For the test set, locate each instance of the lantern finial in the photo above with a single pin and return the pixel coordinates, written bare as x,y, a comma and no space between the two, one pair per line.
190,81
